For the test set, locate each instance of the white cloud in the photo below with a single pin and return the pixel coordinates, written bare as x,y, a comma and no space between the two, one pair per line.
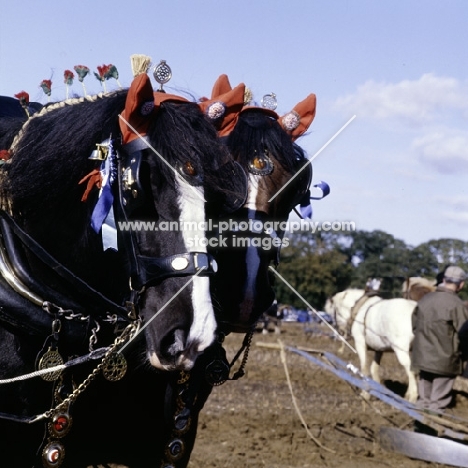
409,101
455,208
458,217
444,150
455,202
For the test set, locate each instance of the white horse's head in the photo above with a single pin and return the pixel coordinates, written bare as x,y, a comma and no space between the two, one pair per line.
339,306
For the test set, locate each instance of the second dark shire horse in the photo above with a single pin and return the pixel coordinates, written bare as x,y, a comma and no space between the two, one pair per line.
279,177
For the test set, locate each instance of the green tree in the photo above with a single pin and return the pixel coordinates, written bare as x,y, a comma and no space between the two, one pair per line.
313,268
321,264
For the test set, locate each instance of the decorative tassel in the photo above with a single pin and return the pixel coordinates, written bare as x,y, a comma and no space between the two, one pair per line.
112,72
23,97
46,86
248,96
4,155
140,64
94,179
68,76
82,71
101,75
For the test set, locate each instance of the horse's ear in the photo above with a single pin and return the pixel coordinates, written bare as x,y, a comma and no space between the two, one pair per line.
223,110
296,122
221,86
139,106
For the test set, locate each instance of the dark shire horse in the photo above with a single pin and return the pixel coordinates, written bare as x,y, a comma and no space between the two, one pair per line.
279,178
107,329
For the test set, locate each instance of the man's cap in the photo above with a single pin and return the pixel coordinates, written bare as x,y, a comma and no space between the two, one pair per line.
455,274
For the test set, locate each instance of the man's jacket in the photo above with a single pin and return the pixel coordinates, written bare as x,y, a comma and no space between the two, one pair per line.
437,319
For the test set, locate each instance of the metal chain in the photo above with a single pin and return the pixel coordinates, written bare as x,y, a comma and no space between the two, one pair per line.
126,334
69,314
246,348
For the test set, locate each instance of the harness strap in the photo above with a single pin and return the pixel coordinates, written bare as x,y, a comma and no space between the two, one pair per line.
354,311
144,270
358,306
14,270
153,269
81,286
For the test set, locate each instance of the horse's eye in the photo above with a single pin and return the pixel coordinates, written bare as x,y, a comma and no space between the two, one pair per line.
261,165
190,173
189,169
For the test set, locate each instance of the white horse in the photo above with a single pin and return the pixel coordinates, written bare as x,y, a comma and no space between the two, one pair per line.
380,325
339,307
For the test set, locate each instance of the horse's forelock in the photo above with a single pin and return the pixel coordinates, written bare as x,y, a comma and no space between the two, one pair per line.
255,132
181,133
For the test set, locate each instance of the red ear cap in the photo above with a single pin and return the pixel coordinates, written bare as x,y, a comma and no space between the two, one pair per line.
221,86
225,105
296,122
138,108
141,105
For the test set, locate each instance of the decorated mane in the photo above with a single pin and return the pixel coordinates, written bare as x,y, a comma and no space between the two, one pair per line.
56,143
72,131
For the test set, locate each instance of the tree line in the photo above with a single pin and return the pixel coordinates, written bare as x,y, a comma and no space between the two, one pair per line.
316,266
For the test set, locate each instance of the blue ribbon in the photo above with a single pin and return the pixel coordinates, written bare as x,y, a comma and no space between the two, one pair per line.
305,206
325,189
103,208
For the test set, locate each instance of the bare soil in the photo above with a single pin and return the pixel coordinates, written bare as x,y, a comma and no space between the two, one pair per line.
252,422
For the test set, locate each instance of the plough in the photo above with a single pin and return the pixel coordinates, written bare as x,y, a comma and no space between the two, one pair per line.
448,442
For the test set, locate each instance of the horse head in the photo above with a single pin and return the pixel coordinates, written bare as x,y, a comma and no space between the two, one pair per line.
123,217
279,176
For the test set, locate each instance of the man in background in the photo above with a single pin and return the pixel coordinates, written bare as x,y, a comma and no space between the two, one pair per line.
436,356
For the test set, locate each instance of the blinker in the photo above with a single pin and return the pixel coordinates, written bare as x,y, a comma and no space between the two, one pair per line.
132,194
261,164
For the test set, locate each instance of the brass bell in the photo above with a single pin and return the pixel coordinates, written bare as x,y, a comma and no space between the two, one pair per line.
100,153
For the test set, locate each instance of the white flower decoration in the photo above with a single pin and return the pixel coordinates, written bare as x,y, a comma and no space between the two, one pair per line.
216,110
291,121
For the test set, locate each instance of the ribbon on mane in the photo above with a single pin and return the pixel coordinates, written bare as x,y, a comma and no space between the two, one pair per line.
102,217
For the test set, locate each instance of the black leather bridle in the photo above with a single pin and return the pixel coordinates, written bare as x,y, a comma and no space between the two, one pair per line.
145,270
142,270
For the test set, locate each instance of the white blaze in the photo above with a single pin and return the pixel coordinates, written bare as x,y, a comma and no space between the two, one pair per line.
192,208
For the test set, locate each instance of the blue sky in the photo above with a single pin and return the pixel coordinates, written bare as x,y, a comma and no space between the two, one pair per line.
401,67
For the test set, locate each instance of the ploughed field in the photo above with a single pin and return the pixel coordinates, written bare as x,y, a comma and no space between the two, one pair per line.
253,422
256,420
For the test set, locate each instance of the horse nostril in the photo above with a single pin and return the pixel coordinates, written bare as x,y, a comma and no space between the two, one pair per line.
173,344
